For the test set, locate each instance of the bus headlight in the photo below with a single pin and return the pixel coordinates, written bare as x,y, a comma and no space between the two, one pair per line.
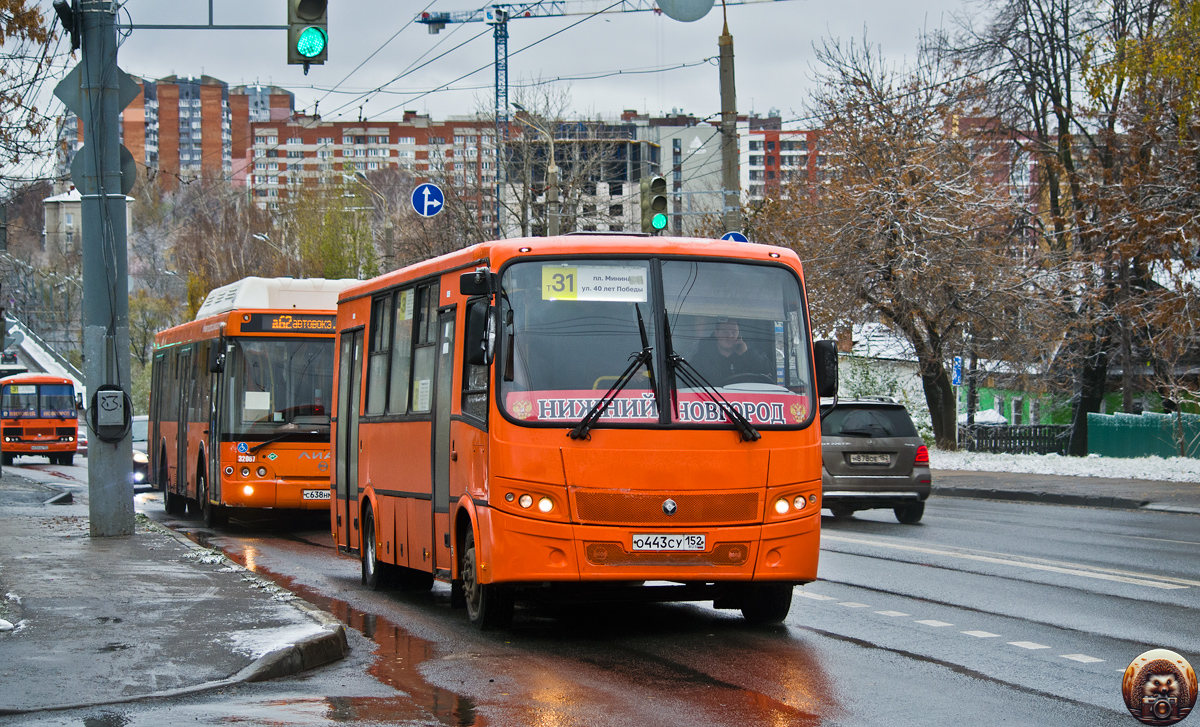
262,472
545,504
245,472
781,506
526,501
248,490
799,502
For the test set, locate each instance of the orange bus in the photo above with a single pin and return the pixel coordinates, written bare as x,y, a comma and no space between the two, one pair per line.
239,399
40,417
584,416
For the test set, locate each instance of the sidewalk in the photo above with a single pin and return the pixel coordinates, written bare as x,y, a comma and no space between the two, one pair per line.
107,620
1123,494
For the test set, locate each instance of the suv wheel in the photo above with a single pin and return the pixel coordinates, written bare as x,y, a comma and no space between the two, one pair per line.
910,514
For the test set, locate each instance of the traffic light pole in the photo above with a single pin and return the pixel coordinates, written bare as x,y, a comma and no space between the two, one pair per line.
732,213
105,286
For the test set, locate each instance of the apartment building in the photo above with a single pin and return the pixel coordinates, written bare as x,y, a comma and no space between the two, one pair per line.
770,157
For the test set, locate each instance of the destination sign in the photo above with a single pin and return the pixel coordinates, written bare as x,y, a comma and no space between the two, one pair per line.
289,323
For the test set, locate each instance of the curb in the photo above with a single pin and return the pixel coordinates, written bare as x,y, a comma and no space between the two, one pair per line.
1052,498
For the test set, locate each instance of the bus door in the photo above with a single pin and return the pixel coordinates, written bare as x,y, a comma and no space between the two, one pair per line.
183,365
443,397
158,384
212,430
349,390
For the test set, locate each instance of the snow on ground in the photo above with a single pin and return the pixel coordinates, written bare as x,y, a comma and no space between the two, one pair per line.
1175,469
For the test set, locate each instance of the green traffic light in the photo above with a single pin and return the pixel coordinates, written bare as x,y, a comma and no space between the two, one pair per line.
659,221
311,42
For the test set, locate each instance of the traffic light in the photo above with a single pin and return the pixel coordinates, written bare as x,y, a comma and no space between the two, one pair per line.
654,204
308,37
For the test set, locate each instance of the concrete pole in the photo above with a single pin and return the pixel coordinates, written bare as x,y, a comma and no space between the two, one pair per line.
730,184
105,284
552,215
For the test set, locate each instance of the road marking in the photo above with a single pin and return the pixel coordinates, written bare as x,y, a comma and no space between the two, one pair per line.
934,622
1028,645
852,604
891,613
1082,658
816,596
1071,569
981,634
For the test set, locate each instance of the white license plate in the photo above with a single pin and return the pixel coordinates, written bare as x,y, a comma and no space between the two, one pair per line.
316,494
870,459
658,541
39,446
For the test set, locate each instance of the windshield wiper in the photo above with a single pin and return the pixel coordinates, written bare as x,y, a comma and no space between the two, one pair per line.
678,366
645,357
281,437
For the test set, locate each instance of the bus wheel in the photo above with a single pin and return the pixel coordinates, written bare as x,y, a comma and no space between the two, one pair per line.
215,516
489,606
373,575
67,459
7,459
767,603
173,504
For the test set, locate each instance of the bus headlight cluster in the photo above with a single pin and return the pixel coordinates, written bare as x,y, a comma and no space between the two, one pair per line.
544,504
798,503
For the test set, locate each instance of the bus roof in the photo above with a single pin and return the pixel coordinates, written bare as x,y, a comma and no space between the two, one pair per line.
499,251
275,293
35,378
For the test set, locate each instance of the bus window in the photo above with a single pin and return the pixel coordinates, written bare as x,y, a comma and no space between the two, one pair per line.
57,401
377,368
475,381
278,384
401,352
20,400
424,355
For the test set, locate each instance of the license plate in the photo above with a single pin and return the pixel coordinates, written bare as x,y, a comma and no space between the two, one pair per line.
655,541
870,459
39,446
316,494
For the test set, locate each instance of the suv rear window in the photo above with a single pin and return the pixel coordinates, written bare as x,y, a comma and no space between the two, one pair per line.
867,421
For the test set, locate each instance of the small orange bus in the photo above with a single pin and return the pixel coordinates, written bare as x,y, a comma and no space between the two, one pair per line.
584,416
240,397
39,413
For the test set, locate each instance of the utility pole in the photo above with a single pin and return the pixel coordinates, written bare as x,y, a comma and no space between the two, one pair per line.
96,90
732,213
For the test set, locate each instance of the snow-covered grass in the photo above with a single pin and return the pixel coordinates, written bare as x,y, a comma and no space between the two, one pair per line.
1175,469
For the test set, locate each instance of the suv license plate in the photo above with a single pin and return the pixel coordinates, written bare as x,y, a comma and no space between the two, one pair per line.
658,541
316,494
870,459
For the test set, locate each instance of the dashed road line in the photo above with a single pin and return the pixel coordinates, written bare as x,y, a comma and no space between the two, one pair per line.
852,604
1028,645
934,622
981,634
892,613
1082,658
815,596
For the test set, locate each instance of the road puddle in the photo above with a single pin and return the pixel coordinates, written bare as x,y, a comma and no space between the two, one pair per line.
397,657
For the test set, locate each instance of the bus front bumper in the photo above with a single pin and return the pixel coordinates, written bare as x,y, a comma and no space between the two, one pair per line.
527,550
265,493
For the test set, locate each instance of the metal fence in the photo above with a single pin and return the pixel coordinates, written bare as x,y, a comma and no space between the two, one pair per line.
1142,435
1000,439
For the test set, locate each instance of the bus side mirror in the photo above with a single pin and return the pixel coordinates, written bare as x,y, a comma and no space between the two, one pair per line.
480,340
216,356
826,364
478,282
78,399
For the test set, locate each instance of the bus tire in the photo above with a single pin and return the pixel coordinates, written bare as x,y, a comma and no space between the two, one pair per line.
67,459
910,514
215,516
374,573
489,605
7,459
767,603
173,504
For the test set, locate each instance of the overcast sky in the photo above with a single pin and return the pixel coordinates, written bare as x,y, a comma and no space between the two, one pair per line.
772,44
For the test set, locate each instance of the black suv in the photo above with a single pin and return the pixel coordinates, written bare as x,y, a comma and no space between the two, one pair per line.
873,458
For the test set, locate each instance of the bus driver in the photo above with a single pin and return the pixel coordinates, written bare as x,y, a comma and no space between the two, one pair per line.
724,355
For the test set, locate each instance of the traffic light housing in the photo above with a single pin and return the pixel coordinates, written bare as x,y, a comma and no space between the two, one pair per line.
654,204
308,34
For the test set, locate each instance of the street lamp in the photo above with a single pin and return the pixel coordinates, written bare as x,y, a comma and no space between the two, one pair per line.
389,250
552,212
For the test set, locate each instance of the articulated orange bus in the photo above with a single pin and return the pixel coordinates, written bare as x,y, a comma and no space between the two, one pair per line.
573,416
240,397
39,413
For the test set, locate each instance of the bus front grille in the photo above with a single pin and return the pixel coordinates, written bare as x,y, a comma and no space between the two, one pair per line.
697,508
615,554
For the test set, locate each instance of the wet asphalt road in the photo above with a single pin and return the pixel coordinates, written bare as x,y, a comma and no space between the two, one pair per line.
986,613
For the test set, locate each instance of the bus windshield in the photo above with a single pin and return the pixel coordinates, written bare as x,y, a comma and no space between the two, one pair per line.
31,401
277,385
571,327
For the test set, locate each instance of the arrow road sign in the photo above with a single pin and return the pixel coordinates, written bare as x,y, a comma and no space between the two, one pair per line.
735,236
427,199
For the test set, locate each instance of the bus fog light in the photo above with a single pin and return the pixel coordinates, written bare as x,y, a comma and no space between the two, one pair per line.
799,503
248,490
781,506
545,504
812,499
245,472
526,500
509,497
229,471
262,471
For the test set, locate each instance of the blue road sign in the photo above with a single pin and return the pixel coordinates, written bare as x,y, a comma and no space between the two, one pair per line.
427,199
735,236
957,380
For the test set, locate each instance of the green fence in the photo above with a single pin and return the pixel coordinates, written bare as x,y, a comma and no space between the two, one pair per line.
1141,435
